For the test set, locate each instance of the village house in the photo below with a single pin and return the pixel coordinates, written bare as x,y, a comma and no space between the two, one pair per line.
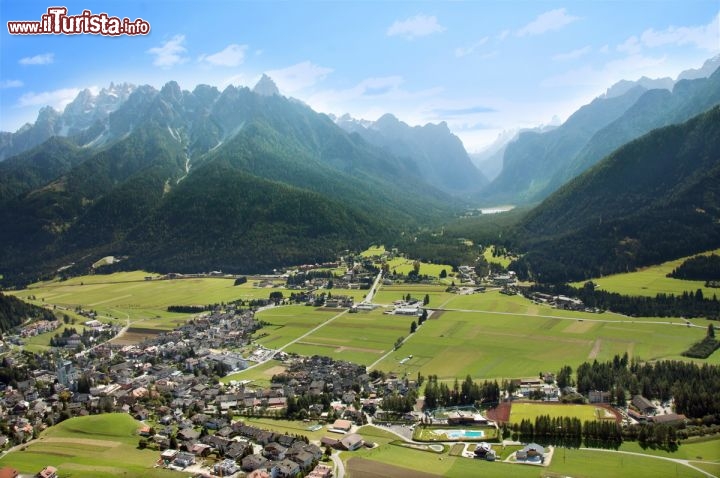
643,405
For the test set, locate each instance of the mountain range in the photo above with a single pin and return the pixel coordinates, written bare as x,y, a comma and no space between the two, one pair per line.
177,180
537,163
653,199
439,154
247,180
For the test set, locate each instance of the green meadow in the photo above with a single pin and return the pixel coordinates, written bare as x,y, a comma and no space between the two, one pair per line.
362,337
96,446
491,335
128,296
653,280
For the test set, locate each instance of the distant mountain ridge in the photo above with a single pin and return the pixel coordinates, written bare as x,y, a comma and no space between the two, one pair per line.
85,111
537,164
440,155
200,180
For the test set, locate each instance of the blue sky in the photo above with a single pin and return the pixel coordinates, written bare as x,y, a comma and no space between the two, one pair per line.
483,67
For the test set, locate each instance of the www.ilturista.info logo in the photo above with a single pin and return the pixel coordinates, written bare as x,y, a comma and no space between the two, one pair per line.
57,22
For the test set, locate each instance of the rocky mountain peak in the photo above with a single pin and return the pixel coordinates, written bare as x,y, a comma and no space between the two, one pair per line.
266,87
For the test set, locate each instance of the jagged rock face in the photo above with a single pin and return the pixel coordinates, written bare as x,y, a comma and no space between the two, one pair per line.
266,87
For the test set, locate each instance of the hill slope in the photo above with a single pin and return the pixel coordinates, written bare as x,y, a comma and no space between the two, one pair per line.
654,199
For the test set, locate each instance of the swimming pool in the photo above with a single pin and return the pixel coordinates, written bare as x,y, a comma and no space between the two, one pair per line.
458,434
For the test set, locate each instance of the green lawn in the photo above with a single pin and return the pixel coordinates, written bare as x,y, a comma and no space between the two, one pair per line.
504,261
401,265
530,411
88,447
651,281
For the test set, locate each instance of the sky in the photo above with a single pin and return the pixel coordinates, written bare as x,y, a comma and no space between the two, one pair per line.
483,67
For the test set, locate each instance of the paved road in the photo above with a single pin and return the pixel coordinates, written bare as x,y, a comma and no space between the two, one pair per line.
339,471
369,296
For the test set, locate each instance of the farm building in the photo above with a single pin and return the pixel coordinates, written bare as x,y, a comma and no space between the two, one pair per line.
643,404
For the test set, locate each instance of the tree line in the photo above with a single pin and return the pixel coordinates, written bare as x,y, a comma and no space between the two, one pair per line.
687,304
467,393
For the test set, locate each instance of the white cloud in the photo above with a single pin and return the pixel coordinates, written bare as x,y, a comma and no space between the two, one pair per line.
298,76
460,51
630,67
604,49
44,59
572,55
548,21
503,35
417,26
704,37
11,84
170,53
55,98
232,55
630,46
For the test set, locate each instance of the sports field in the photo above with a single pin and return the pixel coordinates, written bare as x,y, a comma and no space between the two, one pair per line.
95,446
529,411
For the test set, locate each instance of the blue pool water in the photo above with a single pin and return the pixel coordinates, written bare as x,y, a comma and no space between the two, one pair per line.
455,434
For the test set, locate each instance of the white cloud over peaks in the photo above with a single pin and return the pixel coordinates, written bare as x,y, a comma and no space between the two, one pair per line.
232,55
705,37
298,76
572,55
460,51
170,53
44,59
417,26
58,99
631,46
11,84
548,21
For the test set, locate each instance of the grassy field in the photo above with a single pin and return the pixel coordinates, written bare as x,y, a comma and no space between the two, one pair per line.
696,448
288,427
496,336
502,260
651,281
89,447
520,411
260,375
373,251
361,337
400,265
127,295
570,462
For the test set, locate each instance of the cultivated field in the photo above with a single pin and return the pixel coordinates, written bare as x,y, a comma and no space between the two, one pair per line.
491,335
89,447
529,411
363,337
651,281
